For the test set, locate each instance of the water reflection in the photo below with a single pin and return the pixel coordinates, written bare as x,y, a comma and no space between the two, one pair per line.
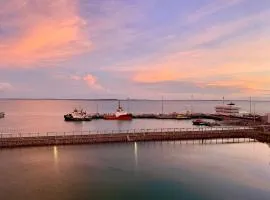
55,156
136,154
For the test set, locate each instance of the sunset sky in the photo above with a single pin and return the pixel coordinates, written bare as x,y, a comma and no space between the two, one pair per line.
135,49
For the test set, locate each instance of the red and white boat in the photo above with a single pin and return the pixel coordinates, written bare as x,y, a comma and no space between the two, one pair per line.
120,114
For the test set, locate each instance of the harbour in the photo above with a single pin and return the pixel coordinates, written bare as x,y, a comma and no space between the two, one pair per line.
134,100
106,159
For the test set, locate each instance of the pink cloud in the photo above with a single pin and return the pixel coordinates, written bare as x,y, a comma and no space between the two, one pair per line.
92,81
39,37
89,79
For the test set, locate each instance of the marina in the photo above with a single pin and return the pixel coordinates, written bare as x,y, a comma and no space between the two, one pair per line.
134,100
144,114
225,123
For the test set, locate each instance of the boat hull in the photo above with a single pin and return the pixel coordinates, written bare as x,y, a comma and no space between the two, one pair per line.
121,117
70,118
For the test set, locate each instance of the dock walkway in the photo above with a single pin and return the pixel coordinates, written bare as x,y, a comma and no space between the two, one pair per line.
95,137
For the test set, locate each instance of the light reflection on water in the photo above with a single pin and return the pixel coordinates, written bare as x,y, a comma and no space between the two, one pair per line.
136,154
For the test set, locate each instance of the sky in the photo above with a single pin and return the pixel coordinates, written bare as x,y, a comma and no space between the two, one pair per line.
175,49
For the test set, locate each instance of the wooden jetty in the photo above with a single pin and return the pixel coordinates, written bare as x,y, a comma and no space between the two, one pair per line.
95,137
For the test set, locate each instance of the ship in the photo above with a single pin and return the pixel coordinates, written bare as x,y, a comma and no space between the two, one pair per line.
78,115
120,114
200,122
228,110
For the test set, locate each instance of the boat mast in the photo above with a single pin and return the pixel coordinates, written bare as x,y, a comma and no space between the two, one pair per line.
97,108
254,112
128,104
191,109
250,105
162,104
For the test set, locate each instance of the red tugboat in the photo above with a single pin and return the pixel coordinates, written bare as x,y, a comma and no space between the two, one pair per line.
120,114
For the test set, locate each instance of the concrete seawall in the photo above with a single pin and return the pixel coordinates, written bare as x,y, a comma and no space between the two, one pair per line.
92,138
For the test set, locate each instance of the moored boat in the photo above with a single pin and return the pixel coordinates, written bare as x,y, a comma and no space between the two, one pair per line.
78,115
227,110
201,122
183,116
120,114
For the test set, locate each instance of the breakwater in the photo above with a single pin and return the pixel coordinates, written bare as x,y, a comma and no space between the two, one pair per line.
95,137
179,116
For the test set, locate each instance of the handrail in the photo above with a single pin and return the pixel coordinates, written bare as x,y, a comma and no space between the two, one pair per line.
20,134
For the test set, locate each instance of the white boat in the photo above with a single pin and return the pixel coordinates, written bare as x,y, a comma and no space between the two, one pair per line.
78,115
229,109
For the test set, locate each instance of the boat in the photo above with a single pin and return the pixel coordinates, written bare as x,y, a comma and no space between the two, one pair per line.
200,122
2,114
78,115
120,114
186,115
228,110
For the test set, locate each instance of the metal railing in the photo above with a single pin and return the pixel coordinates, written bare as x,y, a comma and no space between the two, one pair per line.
19,134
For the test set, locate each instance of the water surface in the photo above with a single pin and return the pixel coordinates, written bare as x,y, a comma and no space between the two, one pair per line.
154,170
47,115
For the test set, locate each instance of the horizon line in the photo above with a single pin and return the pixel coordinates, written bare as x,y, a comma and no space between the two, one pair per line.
128,99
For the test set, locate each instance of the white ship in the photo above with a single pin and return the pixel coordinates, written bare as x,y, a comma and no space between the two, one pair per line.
229,109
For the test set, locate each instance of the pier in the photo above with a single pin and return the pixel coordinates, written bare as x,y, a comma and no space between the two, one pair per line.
261,134
179,116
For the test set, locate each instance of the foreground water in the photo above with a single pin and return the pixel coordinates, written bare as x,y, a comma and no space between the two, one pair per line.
47,115
154,170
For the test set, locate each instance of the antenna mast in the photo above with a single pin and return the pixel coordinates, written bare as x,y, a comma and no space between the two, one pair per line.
162,105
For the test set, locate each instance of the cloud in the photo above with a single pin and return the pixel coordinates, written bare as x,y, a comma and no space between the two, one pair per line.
212,8
41,31
4,86
75,77
92,82
244,63
218,31
89,79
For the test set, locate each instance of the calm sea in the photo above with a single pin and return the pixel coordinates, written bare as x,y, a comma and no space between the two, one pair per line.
47,115
153,170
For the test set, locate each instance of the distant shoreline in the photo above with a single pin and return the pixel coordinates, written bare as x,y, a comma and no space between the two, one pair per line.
56,99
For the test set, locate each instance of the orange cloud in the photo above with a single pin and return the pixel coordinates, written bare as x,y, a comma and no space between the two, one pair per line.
251,85
89,79
155,75
44,38
92,81
244,64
